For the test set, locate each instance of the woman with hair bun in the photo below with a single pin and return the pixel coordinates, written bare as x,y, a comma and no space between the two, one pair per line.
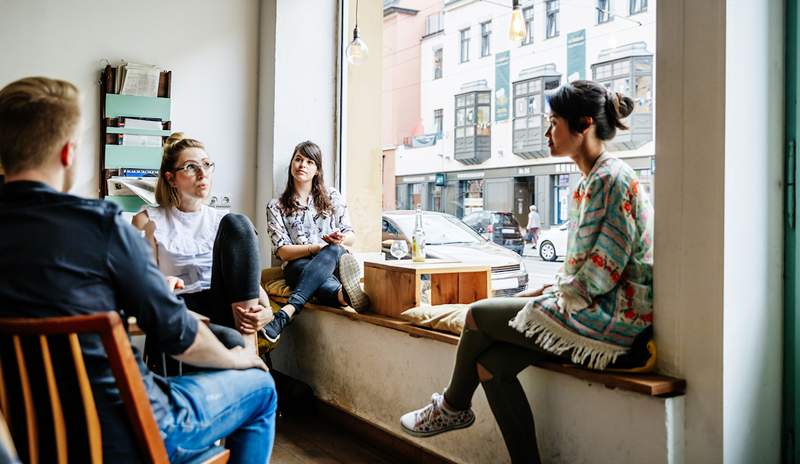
599,310
210,257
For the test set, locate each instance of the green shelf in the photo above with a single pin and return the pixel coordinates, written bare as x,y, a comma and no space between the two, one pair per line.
122,156
128,203
134,131
137,107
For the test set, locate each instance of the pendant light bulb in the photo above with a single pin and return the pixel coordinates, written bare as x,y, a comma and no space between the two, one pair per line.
517,29
357,51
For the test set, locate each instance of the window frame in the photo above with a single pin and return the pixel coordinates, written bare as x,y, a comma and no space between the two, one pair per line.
472,123
544,84
551,19
438,121
631,74
438,63
486,38
464,45
436,19
603,14
528,39
636,7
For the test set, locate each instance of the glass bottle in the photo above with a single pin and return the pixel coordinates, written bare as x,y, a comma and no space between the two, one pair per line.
418,240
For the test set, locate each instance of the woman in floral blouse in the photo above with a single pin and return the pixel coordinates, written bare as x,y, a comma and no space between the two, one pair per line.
601,302
310,229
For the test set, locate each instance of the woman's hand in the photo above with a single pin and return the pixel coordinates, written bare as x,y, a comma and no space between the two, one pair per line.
531,293
174,283
334,238
252,319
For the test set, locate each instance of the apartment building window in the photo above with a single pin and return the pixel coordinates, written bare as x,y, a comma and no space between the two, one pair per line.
486,38
630,72
637,6
552,18
473,128
527,13
464,45
438,119
437,63
434,23
530,115
603,11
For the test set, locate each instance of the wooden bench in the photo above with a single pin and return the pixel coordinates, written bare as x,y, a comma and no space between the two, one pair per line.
650,384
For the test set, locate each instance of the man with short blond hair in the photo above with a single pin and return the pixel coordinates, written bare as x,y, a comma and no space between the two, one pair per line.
63,255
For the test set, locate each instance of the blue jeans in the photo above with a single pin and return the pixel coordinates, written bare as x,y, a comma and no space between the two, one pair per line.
314,276
238,405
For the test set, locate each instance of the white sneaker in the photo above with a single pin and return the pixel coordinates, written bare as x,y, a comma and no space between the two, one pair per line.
435,418
350,275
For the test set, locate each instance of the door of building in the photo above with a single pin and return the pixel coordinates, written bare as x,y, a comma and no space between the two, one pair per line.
791,283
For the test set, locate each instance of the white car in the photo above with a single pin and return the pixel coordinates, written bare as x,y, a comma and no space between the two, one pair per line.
448,237
553,242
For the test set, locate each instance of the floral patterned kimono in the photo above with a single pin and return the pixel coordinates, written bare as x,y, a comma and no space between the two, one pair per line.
603,296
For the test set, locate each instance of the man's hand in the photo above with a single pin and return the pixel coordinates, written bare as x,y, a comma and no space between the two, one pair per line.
174,283
246,359
252,319
537,292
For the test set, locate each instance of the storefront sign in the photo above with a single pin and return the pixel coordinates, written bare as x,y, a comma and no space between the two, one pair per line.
470,175
441,180
566,168
576,55
502,88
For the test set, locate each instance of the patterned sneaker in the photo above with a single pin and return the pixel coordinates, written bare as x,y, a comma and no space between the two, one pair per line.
350,275
272,331
435,418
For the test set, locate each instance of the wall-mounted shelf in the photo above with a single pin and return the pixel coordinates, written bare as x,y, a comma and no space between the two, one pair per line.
115,153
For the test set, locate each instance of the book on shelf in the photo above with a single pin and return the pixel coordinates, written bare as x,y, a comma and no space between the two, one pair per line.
143,187
137,79
141,123
137,172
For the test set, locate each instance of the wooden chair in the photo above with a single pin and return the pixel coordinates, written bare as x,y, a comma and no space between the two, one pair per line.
46,396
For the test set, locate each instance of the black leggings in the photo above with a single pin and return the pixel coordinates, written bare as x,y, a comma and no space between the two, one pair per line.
315,277
235,271
503,352
235,276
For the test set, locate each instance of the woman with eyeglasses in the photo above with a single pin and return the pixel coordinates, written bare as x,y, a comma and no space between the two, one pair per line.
210,256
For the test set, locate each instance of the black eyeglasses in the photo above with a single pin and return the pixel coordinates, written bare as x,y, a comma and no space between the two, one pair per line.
193,169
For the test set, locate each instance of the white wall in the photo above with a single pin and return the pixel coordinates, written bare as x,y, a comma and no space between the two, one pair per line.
753,222
210,46
689,221
298,92
379,374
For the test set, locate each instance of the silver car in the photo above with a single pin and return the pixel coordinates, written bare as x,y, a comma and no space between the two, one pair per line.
447,237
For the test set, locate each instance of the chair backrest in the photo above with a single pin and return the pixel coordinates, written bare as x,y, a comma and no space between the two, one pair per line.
46,396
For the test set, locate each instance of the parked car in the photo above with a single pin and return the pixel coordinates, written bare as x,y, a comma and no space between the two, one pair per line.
553,242
447,237
499,227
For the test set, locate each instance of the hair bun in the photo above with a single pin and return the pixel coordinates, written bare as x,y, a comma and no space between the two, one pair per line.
174,138
625,105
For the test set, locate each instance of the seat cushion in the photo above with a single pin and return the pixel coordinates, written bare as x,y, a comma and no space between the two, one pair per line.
278,288
446,317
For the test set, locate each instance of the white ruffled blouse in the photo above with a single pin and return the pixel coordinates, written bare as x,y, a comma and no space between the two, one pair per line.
185,244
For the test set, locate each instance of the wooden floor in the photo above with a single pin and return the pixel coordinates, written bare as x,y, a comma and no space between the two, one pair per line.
312,439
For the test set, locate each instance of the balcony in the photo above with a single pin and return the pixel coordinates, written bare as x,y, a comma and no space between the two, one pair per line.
529,141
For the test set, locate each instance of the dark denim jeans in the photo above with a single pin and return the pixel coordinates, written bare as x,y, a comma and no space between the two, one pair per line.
238,405
315,276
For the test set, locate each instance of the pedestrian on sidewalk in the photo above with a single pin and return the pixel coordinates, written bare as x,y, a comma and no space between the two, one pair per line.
534,225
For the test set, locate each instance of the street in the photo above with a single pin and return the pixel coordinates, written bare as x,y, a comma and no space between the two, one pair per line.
539,271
